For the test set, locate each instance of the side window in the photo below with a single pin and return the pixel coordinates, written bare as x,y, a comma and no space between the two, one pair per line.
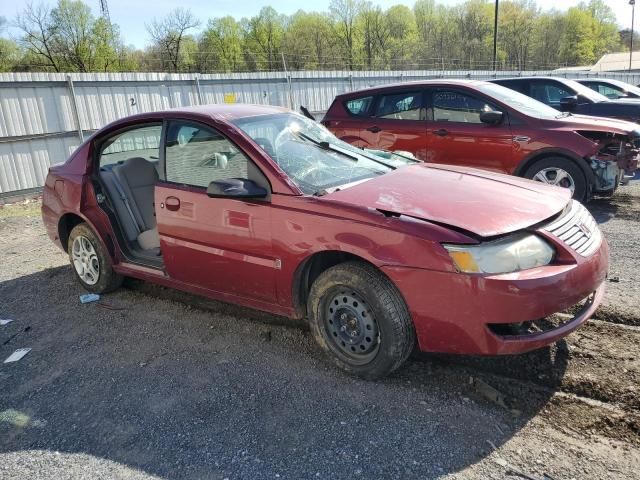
549,93
197,155
596,87
610,91
359,106
142,142
401,106
454,106
516,85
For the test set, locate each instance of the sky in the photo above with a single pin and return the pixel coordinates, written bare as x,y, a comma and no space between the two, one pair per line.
132,15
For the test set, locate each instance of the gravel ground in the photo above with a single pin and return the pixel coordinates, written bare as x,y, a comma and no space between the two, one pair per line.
155,383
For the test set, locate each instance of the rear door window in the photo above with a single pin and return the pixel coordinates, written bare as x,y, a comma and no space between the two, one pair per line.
401,106
609,91
359,106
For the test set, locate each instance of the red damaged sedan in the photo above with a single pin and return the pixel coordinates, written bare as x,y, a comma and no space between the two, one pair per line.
262,207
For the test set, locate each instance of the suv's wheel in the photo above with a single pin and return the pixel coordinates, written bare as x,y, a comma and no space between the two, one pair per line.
359,318
91,263
562,172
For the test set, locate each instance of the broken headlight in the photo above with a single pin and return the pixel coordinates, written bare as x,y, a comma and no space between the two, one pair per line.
509,254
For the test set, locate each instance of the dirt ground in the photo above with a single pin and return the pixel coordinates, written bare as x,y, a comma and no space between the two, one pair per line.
154,383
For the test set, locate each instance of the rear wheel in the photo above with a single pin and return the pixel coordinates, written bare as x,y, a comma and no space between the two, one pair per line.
359,318
562,172
91,262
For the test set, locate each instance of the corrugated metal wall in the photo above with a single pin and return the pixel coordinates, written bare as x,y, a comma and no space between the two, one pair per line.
43,116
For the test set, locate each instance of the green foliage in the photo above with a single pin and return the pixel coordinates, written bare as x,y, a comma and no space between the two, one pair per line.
263,40
67,38
352,34
220,46
9,54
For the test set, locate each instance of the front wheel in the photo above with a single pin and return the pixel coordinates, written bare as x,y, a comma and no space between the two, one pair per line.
561,172
360,319
91,262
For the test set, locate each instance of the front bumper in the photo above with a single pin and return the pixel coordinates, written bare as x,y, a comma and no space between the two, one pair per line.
453,312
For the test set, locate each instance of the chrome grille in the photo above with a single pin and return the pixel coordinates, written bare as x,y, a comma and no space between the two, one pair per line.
578,229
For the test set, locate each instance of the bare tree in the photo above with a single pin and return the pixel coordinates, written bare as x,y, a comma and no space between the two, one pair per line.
38,33
168,34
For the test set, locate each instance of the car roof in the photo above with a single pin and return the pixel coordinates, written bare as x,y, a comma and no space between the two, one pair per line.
415,83
227,111
223,112
604,80
532,77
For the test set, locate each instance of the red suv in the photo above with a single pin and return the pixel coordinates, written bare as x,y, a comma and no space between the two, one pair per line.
484,125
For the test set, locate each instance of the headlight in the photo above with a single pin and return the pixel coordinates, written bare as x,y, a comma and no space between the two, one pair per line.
510,254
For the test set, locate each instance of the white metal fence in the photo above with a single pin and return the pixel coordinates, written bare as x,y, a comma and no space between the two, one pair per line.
45,116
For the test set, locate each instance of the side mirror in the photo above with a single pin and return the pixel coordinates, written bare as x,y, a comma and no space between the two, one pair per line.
569,103
235,188
491,117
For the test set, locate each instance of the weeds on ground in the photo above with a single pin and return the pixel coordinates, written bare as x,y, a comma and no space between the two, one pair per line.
27,208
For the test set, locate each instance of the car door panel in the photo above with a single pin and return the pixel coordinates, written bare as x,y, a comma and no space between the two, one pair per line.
456,136
397,123
221,244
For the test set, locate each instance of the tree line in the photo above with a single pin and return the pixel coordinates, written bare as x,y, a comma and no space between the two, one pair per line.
352,34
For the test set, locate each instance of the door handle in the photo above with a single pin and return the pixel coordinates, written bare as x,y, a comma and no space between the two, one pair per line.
441,132
172,203
374,129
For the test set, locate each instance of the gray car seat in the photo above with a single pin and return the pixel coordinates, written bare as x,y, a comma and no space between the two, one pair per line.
130,186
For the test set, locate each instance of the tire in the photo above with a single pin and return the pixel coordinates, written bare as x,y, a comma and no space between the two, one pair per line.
354,302
582,189
94,269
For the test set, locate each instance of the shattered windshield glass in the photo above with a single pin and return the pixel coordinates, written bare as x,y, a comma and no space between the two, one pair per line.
315,159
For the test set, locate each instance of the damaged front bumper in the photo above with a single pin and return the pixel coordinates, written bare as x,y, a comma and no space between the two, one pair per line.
614,164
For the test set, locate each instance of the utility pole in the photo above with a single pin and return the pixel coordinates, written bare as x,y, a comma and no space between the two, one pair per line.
633,12
495,37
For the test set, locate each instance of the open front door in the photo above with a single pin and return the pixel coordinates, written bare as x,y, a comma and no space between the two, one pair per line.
222,244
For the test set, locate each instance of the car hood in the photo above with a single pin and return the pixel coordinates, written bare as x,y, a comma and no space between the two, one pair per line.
483,203
587,122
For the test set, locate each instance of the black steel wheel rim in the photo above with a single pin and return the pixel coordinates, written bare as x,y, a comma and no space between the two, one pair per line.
351,327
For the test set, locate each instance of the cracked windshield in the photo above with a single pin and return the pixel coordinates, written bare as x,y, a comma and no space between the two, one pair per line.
316,160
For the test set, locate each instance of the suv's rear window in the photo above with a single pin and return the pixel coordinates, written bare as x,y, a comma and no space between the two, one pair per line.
359,106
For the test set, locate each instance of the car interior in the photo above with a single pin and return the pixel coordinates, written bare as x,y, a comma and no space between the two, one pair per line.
128,173
129,169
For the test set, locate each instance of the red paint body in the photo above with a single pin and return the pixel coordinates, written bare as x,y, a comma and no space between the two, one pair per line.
251,252
507,148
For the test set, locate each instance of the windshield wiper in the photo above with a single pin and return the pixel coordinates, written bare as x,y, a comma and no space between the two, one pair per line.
333,148
564,115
